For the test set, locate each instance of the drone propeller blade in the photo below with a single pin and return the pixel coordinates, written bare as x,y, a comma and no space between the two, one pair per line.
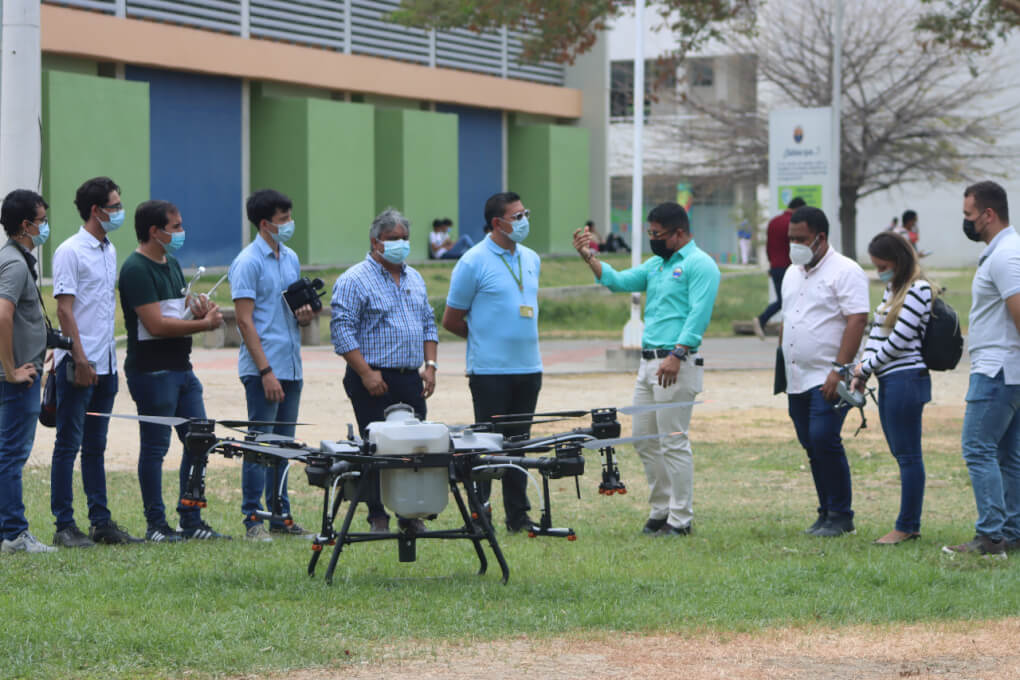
595,444
271,437
266,449
648,408
547,414
529,421
253,423
172,421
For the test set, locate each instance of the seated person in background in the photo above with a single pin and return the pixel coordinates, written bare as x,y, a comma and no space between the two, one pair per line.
596,244
441,246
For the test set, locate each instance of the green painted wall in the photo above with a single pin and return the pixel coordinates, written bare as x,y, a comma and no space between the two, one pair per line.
416,168
548,167
93,126
320,153
61,62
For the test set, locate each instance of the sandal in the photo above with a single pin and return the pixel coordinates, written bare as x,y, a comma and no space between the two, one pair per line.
896,537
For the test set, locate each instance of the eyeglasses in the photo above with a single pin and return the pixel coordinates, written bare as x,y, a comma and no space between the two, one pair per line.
656,235
521,215
113,208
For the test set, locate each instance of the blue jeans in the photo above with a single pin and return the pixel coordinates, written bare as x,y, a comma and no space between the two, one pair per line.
991,449
462,245
164,393
74,431
901,399
258,479
776,273
19,412
818,423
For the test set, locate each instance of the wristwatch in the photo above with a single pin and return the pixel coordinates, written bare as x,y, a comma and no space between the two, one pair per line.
266,371
433,364
680,353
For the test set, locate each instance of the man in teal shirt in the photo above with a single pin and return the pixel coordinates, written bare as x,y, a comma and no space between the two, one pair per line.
680,283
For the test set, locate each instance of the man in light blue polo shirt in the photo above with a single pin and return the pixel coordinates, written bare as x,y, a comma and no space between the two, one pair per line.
680,283
270,359
991,424
493,302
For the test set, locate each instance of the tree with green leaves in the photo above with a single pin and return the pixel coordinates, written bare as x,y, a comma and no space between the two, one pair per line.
970,25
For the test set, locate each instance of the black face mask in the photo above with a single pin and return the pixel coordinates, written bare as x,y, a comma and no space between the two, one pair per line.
659,248
970,229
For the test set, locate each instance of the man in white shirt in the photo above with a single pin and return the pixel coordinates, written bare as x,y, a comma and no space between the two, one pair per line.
991,425
825,311
442,247
84,278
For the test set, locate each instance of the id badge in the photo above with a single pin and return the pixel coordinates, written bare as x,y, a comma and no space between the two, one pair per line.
527,311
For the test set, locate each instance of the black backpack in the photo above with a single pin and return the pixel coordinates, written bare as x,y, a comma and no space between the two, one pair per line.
942,344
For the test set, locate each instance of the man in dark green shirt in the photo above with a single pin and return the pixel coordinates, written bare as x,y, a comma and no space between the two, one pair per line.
680,282
158,365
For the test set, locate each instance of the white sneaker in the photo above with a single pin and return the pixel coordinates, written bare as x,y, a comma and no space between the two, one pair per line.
25,542
257,532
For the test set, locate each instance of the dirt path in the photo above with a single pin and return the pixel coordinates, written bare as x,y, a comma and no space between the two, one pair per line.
964,651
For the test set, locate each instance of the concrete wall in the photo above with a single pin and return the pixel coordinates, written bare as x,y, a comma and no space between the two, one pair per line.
321,154
416,168
93,126
195,147
549,169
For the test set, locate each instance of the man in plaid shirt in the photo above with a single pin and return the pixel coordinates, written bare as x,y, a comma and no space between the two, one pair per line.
384,328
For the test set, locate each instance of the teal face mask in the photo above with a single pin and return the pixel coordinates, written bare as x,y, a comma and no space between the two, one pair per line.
521,228
176,241
284,232
886,276
116,220
44,233
396,251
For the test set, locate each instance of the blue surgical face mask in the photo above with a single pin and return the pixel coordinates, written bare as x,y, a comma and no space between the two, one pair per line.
396,251
116,219
44,233
521,228
886,276
176,241
284,232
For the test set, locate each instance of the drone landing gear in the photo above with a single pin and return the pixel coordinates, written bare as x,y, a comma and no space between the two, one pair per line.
611,482
476,526
545,527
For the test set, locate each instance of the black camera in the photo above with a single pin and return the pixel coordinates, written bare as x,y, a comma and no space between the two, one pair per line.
57,340
303,292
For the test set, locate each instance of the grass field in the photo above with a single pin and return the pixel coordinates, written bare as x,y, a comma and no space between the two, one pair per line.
234,608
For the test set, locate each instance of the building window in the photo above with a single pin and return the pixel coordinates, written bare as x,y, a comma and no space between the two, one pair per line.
660,83
701,73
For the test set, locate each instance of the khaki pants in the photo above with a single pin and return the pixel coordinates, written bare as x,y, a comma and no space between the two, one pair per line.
669,463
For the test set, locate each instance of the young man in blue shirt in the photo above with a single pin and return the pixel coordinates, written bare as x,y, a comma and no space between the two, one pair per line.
269,363
680,282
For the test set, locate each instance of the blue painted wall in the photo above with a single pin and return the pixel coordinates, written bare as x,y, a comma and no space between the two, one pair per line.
480,164
195,151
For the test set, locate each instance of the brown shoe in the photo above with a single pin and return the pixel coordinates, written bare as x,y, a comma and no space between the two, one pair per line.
895,537
380,525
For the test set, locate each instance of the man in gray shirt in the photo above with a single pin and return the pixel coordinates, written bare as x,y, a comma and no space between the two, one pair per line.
22,346
991,425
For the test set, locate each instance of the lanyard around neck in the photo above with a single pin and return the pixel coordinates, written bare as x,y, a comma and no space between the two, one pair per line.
519,276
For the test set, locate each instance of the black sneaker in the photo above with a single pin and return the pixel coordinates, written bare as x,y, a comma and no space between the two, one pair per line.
670,530
836,524
292,529
200,532
72,537
111,534
979,545
163,534
525,524
822,515
653,526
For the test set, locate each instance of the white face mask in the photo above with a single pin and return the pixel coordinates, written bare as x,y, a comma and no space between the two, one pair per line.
801,254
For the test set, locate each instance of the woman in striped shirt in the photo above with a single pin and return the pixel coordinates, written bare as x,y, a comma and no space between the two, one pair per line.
893,354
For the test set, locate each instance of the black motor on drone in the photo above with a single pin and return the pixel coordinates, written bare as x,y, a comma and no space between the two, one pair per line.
305,291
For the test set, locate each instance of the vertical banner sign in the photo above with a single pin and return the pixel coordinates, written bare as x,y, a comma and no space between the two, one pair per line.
801,163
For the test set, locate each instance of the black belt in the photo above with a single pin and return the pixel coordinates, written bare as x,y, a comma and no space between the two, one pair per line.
663,353
394,370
